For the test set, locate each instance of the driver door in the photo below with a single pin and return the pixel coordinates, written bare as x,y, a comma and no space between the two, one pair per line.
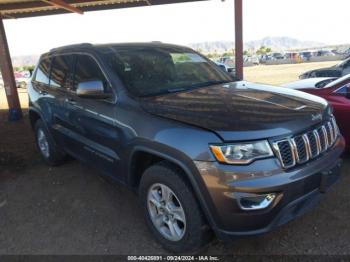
95,137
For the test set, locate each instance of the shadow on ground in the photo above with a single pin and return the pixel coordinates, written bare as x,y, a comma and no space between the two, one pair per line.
71,210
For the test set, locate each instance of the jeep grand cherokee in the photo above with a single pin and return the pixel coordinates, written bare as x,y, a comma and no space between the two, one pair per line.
205,153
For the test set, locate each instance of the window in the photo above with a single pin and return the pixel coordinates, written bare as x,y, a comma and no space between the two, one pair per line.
87,69
61,72
342,90
148,71
43,71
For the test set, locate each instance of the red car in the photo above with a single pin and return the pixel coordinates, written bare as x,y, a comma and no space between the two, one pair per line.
337,92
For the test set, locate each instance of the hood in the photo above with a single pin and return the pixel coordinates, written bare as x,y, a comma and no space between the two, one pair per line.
308,83
324,72
241,110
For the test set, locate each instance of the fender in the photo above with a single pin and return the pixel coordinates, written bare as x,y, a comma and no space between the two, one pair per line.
36,111
191,172
32,109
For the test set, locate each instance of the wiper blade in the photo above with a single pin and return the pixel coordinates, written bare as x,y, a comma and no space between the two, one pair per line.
174,90
210,83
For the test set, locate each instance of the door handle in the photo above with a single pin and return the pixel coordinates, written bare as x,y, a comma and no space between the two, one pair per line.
70,101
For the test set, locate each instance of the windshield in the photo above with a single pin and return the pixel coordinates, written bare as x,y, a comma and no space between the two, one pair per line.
149,71
339,80
343,63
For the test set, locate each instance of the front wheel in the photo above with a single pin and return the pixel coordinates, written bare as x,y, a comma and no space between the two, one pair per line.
46,146
171,210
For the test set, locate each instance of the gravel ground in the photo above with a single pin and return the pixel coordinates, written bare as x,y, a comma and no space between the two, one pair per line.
71,210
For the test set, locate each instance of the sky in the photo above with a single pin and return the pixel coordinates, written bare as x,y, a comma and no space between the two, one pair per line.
310,20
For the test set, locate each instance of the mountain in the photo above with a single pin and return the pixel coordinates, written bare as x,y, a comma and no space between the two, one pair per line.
282,43
24,60
276,43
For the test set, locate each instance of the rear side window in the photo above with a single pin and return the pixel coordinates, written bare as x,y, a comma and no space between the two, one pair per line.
43,72
87,69
61,72
342,90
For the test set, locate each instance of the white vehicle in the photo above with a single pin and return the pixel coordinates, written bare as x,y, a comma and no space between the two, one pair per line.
231,70
254,60
21,80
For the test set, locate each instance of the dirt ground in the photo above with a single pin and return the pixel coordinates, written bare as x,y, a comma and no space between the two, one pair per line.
70,209
279,74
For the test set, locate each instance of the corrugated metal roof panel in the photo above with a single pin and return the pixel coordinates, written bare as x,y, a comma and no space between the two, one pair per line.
30,8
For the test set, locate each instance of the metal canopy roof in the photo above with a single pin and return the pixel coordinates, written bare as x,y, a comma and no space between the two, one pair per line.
29,8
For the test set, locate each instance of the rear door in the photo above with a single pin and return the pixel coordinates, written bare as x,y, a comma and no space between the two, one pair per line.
61,81
92,121
40,83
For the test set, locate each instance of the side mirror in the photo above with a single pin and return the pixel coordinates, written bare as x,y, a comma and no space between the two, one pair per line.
91,89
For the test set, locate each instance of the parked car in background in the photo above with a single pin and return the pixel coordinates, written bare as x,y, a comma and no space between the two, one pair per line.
278,56
205,153
21,80
324,53
337,92
230,69
251,59
306,55
224,59
271,57
341,69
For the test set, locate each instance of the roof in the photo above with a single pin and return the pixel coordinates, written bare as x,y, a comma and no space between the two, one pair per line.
110,46
29,8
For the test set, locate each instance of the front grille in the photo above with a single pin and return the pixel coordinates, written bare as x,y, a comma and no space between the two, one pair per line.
302,148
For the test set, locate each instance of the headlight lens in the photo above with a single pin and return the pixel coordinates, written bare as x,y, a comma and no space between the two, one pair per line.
241,153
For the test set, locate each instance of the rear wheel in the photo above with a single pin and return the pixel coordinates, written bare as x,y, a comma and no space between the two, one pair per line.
22,84
46,146
171,210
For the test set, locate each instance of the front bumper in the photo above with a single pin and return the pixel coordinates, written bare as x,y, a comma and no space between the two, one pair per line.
297,190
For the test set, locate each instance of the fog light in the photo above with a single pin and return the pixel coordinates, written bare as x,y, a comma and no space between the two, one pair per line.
256,202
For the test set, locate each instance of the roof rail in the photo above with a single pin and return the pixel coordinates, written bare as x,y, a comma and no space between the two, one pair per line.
71,46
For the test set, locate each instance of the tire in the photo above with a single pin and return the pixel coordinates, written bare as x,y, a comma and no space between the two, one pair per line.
22,84
48,150
193,233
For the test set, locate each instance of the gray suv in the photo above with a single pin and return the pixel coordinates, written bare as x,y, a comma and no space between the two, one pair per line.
206,154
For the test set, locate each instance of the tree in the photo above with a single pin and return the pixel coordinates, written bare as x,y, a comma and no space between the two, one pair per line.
28,68
263,50
227,53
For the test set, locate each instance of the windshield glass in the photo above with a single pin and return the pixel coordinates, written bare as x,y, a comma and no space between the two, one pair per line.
149,71
339,80
343,63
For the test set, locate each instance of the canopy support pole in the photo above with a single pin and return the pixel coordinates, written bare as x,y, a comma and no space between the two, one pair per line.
15,111
239,39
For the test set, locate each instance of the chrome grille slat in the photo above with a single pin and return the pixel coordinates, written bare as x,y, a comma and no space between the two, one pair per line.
301,153
313,144
307,145
318,142
331,134
324,130
335,126
301,148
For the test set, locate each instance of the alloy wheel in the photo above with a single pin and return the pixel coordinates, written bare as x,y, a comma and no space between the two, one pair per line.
43,143
166,212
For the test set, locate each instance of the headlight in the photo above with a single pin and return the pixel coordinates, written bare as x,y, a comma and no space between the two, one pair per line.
241,153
